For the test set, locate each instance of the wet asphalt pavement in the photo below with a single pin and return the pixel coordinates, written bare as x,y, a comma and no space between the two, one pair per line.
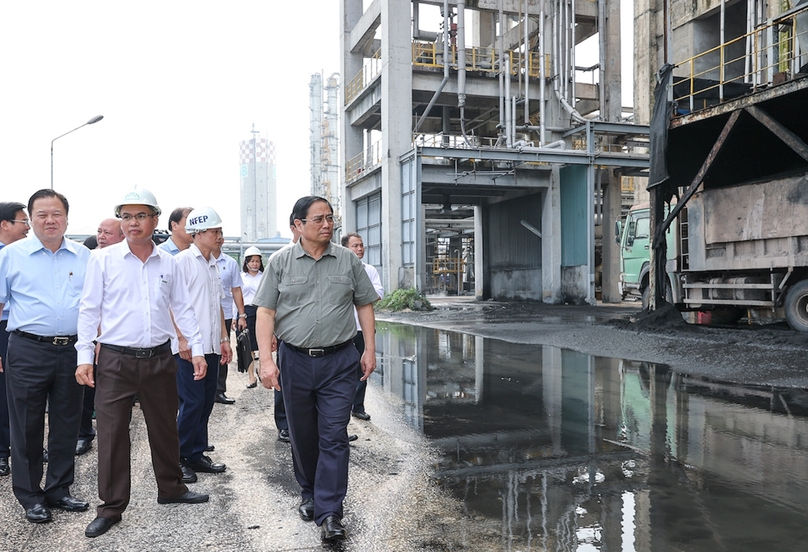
393,500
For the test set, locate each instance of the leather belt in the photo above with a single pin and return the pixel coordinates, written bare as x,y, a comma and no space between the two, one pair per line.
52,339
320,351
138,352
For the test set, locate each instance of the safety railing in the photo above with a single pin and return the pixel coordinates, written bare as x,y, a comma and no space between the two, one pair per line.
370,69
770,54
365,161
484,60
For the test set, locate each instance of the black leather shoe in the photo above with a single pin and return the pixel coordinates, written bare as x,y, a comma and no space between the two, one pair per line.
333,530
221,398
283,435
206,465
83,445
361,416
352,438
253,385
188,474
4,467
210,448
188,498
45,456
39,513
306,509
99,526
69,504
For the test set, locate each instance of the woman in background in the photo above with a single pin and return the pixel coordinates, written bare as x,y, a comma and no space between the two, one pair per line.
252,271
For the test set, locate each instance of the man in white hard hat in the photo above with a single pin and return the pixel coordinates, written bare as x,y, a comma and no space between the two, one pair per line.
197,395
132,290
40,279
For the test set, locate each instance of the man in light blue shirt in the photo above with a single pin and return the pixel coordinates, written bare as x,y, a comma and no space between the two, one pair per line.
41,279
179,240
13,226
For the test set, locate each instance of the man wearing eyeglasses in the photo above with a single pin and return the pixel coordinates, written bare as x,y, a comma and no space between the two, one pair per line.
41,279
132,290
306,298
14,226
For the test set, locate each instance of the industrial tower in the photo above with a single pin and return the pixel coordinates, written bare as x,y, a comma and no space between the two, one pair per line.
258,188
478,151
324,139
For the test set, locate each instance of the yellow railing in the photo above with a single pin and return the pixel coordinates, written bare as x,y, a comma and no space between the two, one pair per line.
371,68
484,60
365,161
765,56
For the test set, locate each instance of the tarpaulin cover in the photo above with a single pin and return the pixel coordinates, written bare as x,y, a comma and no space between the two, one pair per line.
658,133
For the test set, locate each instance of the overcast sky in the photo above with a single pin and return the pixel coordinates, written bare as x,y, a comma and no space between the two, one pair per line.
179,84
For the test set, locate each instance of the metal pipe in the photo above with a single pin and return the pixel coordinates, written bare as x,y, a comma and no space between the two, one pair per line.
508,141
571,31
722,19
601,60
542,76
445,67
501,55
527,65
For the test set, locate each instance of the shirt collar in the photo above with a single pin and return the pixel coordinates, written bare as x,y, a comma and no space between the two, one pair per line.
35,245
126,250
300,252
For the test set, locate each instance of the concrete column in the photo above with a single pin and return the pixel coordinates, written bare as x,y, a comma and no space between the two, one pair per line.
551,241
351,138
396,129
483,29
611,61
612,204
479,268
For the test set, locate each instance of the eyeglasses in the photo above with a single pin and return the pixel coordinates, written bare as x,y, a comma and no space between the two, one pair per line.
25,222
319,219
140,217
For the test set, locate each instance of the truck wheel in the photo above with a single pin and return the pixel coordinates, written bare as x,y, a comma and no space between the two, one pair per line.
646,297
797,306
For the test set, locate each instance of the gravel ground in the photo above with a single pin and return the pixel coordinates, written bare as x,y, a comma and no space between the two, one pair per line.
392,504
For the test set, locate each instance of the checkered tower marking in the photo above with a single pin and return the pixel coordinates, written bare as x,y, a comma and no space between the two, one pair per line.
264,151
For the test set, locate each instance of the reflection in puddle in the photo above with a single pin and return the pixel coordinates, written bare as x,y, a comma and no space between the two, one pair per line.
564,451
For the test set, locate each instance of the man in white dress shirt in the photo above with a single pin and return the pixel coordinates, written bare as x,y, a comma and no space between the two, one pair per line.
198,266
130,292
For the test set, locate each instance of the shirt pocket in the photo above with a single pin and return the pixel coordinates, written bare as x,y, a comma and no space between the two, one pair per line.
162,290
295,288
340,290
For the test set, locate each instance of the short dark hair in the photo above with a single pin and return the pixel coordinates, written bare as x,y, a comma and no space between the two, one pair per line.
9,210
247,259
177,215
292,219
47,192
347,238
302,206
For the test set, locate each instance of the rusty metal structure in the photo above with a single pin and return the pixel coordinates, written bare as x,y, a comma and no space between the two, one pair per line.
735,156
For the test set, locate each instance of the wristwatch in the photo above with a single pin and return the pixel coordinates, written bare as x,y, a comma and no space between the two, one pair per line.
243,315
224,340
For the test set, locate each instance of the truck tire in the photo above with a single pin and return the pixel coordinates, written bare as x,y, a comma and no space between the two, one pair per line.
797,306
646,295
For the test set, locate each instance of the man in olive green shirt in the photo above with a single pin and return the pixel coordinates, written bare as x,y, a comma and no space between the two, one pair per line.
306,299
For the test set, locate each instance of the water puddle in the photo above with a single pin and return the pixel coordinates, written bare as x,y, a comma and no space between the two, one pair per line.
558,450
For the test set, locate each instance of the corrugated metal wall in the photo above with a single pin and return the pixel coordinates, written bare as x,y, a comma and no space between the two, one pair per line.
509,245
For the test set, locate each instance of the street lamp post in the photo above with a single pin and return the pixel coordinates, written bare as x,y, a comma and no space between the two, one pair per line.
90,122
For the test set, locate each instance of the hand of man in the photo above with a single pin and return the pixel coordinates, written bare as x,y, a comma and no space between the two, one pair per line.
185,350
200,367
84,375
368,363
270,374
274,343
227,353
242,323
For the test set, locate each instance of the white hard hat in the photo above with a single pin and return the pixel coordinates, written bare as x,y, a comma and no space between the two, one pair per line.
252,250
200,219
138,196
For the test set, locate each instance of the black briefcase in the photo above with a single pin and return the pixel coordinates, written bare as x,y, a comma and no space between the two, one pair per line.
243,350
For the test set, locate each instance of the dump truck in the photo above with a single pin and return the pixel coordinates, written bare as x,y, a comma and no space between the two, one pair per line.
730,250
